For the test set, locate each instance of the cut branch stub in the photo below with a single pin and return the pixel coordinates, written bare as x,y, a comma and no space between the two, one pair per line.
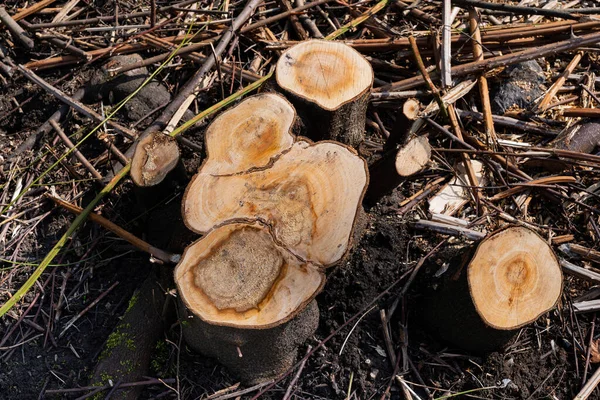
392,169
413,157
511,280
155,156
309,195
238,276
250,134
514,278
329,84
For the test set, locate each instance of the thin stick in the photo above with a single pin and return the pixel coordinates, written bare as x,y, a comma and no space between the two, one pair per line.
121,386
589,350
239,393
15,29
447,229
62,14
543,104
518,9
88,308
446,132
152,13
122,233
484,91
76,151
445,65
294,21
418,14
587,390
389,346
412,201
309,23
426,77
32,9
466,159
581,112
541,181
288,392
509,122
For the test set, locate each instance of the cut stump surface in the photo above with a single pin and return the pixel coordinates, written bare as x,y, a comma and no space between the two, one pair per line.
514,277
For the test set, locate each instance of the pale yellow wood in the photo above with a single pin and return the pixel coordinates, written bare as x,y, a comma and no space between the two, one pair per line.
327,73
310,196
249,134
413,157
514,278
238,276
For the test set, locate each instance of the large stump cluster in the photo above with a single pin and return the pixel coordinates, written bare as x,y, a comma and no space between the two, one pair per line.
275,210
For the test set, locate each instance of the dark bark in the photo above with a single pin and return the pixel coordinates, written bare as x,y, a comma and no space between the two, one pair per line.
253,355
383,178
345,124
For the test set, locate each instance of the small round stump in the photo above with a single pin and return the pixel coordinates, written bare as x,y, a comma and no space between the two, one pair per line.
155,156
329,83
413,157
512,279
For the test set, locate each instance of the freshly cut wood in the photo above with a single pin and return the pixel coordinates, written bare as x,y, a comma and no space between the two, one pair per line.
155,156
583,138
413,157
411,109
512,279
388,172
275,212
246,300
309,196
237,275
329,83
249,135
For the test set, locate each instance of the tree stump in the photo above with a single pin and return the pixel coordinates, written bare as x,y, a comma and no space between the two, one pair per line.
155,156
275,212
238,277
309,195
512,279
329,83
